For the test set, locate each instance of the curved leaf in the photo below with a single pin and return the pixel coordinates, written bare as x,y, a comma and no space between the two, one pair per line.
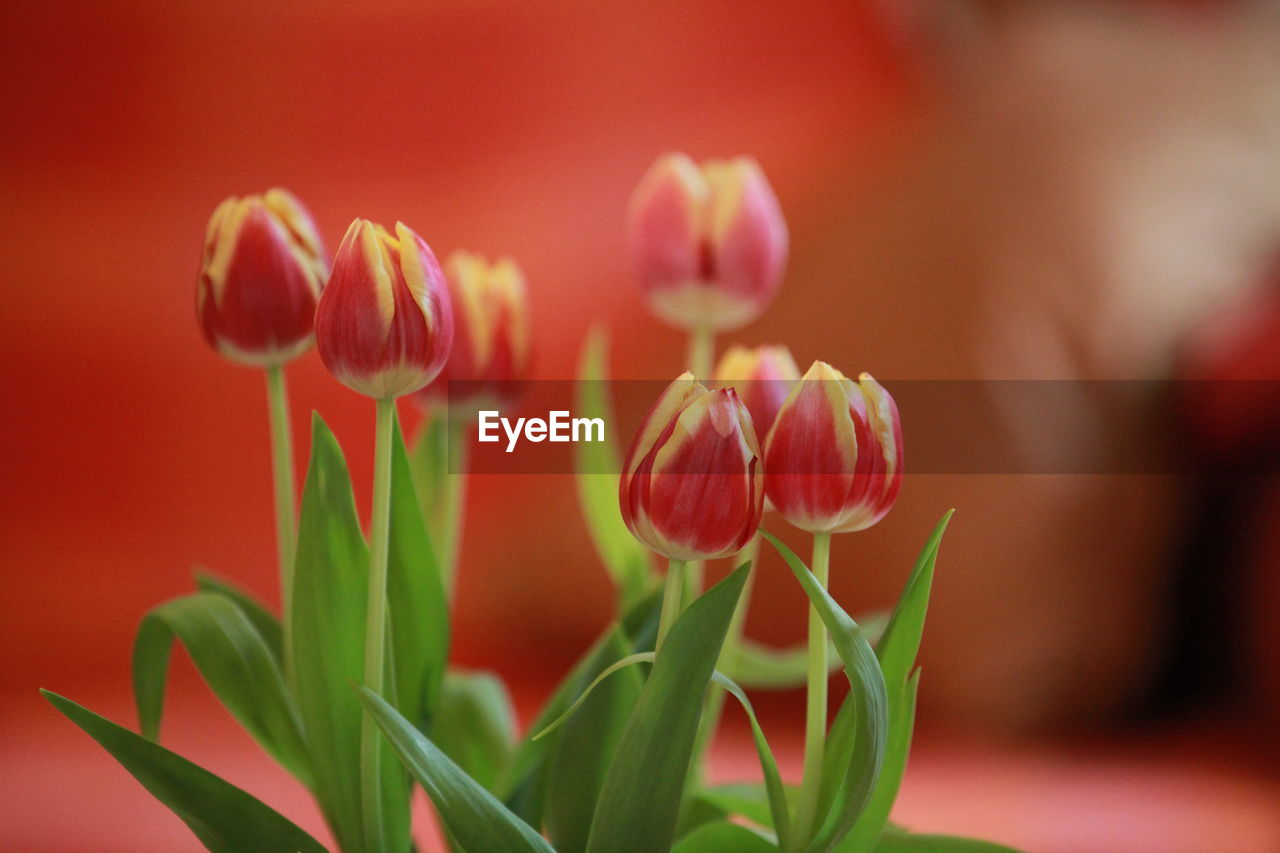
474,817
640,799
626,560
897,651
417,605
223,817
871,714
759,667
724,838
267,623
582,752
328,613
234,661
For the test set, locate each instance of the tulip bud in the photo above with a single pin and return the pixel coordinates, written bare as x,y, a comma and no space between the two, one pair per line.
709,242
834,454
490,356
763,377
691,487
384,325
260,276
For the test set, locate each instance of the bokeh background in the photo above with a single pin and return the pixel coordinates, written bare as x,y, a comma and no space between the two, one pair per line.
975,190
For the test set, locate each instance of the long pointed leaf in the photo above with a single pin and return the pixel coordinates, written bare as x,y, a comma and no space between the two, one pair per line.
474,817
867,687
897,651
223,817
626,560
234,661
418,607
640,800
329,597
475,725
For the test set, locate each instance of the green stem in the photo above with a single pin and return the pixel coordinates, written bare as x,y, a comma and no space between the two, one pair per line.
815,733
672,595
375,628
702,352
282,474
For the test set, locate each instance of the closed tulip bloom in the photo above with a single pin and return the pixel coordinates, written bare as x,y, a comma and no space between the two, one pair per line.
260,277
763,376
709,242
491,351
692,484
834,454
384,326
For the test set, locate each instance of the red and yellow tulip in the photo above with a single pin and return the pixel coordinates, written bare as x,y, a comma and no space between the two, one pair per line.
384,325
709,241
834,455
692,483
261,275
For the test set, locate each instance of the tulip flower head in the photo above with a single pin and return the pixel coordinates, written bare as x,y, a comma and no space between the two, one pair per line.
260,278
491,352
763,377
709,242
692,484
834,454
384,325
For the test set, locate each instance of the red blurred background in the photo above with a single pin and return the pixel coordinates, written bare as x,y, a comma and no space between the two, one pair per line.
924,161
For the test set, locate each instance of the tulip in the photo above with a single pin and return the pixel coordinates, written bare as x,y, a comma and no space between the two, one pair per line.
491,352
384,324
763,377
834,453
260,277
709,242
691,487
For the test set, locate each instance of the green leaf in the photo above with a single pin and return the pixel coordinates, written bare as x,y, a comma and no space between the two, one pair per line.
749,800
234,661
264,620
640,799
475,818
418,607
760,667
898,841
584,748
223,817
598,463
523,787
475,725
897,651
867,689
329,597
724,838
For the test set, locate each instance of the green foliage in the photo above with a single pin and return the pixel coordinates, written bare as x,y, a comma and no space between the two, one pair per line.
329,597
234,661
626,560
476,820
267,623
640,799
722,837
223,817
417,605
475,725
870,715
899,841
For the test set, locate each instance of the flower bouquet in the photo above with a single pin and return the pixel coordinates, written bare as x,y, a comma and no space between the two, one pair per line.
350,687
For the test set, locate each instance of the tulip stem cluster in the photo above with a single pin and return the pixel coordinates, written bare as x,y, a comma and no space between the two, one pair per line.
815,732
282,469
453,505
673,595
376,622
